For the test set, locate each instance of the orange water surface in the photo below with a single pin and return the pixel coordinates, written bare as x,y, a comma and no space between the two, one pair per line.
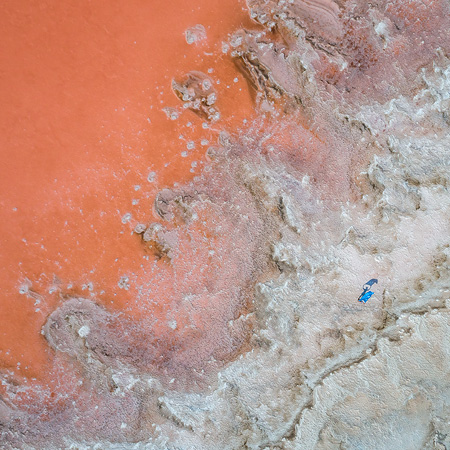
83,87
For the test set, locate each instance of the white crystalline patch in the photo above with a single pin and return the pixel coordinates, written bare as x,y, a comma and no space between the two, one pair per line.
380,29
124,283
171,113
23,289
195,34
236,40
126,218
83,331
88,286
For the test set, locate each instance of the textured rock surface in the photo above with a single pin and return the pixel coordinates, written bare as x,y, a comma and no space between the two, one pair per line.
343,177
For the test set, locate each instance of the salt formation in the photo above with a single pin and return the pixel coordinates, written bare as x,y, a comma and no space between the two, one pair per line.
343,177
195,34
196,90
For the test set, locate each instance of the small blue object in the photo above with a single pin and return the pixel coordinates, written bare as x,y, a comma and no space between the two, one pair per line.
370,283
365,296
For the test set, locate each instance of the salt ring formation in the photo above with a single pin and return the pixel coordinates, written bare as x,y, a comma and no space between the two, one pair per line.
226,225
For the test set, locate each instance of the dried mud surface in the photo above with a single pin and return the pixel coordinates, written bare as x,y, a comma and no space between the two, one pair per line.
342,177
